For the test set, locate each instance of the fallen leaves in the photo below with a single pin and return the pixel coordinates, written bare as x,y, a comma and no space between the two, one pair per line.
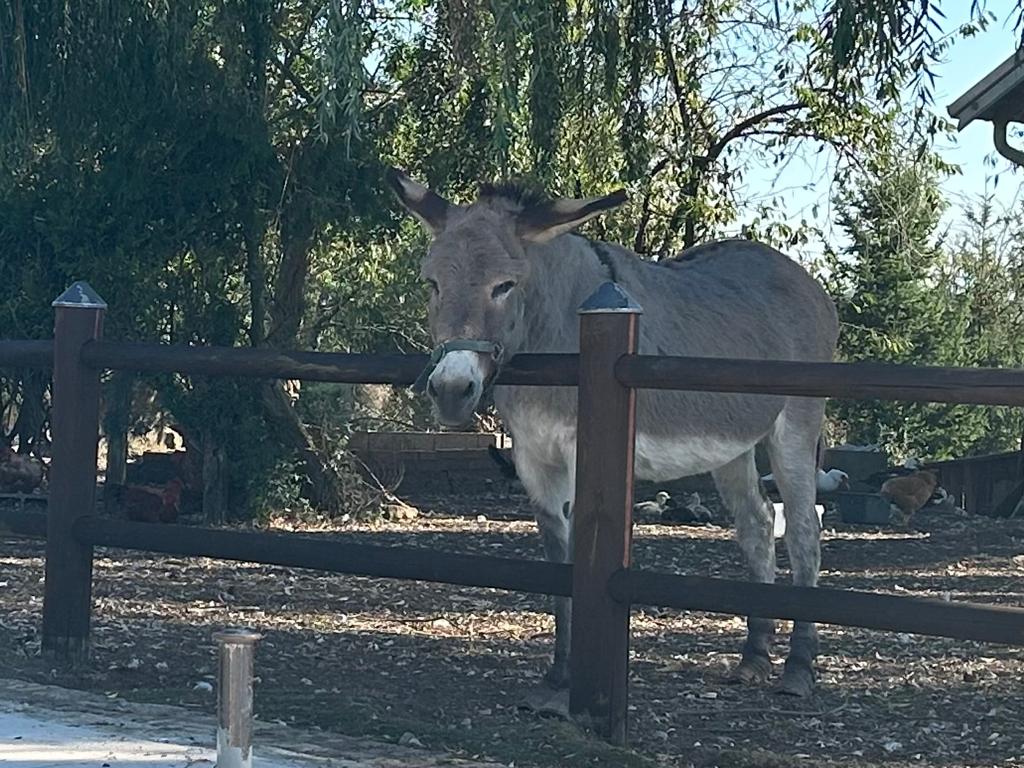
448,666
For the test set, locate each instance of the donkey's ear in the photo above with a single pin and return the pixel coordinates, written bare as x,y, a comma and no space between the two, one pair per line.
429,207
544,221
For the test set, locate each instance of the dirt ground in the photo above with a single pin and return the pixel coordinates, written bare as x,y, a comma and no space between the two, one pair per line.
448,666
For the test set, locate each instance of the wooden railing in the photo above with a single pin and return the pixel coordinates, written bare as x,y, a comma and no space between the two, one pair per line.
602,582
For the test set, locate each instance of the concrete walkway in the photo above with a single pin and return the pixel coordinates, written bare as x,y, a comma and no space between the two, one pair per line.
46,726
37,739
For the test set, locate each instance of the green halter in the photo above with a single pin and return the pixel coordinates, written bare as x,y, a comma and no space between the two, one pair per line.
491,348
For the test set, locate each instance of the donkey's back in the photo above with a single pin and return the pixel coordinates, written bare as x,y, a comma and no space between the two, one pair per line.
731,298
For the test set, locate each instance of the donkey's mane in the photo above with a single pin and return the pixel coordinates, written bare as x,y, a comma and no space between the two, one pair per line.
517,191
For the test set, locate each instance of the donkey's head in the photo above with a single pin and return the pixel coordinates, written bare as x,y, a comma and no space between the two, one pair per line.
478,268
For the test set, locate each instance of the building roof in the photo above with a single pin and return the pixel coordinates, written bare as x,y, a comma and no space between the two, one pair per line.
998,97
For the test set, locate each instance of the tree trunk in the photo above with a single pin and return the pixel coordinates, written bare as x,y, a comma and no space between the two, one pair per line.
255,276
297,230
28,426
116,418
324,485
297,236
215,480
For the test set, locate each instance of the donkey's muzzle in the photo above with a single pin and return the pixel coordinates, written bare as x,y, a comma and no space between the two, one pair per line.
459,372
454,398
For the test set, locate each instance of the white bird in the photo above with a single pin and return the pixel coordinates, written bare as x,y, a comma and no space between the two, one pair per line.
831,481
825,482
780,518
652,508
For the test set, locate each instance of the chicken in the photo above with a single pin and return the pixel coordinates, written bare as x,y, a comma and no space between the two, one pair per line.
18,474
145,503
909,493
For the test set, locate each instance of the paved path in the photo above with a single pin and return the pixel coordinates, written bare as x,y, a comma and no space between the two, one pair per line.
36,739
50,727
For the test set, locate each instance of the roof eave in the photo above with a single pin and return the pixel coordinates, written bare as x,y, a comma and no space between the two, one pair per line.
995,96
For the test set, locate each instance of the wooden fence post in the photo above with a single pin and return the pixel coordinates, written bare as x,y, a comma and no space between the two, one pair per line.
72,493
602,515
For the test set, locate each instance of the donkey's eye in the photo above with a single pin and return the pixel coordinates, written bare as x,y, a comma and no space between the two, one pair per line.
502,288
433,286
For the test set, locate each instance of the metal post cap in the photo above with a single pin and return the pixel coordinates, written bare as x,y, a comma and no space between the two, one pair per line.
610,298
80,295
237,636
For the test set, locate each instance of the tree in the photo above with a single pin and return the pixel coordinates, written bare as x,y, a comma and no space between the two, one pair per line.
906,295
214,167
985,275
884,282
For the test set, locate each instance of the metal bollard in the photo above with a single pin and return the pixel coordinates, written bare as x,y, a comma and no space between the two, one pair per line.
234,697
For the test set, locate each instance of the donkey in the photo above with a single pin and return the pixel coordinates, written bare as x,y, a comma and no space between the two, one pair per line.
507,274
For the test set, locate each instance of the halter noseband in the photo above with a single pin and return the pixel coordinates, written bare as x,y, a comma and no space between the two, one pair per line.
492,348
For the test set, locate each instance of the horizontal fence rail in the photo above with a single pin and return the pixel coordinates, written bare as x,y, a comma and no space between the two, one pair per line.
26,354
970,386
30,525
977,386
868,610
298,551
400,370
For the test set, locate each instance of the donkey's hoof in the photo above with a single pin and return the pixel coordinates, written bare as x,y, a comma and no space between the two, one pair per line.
752,670
557,678
797,680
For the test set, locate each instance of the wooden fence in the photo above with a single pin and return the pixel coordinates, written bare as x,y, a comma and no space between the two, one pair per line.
607,372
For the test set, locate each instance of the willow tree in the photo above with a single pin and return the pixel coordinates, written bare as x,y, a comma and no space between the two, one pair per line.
213,166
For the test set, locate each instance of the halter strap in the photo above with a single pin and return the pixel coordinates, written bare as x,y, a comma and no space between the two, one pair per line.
492,348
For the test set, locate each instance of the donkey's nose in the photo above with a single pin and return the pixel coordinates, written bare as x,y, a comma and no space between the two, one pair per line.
454,397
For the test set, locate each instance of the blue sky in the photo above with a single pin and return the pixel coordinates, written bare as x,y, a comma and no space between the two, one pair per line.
807,183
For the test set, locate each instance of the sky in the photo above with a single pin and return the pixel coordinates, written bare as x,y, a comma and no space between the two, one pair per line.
804,185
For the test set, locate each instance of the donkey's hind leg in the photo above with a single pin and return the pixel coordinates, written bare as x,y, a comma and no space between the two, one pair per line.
739,487
792,448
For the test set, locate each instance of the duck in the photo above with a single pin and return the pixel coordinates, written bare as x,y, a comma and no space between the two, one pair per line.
825,482
691,511
655,508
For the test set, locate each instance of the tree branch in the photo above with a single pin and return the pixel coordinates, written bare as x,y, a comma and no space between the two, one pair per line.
291,77
741,128
639,242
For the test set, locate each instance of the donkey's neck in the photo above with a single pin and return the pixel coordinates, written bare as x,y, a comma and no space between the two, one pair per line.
564,273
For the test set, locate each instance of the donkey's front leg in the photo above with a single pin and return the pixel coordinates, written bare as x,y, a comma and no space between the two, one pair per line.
550,481
555,529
